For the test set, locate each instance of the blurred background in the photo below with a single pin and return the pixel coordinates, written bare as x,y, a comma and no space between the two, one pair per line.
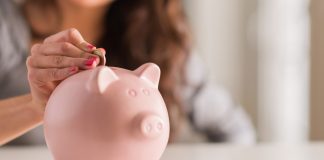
269,54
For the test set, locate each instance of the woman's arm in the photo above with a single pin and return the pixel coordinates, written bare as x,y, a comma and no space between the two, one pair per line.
17,116
58,57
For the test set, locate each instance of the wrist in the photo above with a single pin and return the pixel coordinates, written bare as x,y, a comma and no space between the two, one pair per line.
37,109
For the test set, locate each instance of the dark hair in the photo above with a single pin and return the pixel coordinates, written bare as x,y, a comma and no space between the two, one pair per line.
140,31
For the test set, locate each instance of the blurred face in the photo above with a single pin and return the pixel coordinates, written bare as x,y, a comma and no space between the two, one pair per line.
87,3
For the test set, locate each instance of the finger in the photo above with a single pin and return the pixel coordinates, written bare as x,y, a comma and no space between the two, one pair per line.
44,62
51,75
61,49
73,36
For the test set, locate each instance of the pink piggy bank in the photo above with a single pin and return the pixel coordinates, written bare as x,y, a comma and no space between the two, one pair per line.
108,113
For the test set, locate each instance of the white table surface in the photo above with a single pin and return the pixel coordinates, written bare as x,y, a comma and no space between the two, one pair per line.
314,151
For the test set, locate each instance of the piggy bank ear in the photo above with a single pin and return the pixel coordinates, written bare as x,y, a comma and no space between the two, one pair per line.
149,72
100,79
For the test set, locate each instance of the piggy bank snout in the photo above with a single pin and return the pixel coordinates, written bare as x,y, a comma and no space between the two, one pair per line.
151,126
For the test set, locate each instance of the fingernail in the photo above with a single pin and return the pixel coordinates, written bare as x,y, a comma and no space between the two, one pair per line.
90,61
87,46
91,47
96,59
73,70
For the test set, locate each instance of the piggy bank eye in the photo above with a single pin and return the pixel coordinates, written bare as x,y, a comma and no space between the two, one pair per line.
146,92
132,93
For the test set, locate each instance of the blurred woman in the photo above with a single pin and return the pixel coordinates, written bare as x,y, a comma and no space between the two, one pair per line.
134,32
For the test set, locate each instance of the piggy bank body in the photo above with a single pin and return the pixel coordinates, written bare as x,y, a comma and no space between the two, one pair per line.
108,114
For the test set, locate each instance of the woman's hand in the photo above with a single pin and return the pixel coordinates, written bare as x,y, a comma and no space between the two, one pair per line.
58,57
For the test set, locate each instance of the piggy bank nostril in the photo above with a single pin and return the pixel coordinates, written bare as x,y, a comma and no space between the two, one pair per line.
159,126
151,126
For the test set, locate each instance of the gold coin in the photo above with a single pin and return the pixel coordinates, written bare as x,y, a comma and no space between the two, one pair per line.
100,55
